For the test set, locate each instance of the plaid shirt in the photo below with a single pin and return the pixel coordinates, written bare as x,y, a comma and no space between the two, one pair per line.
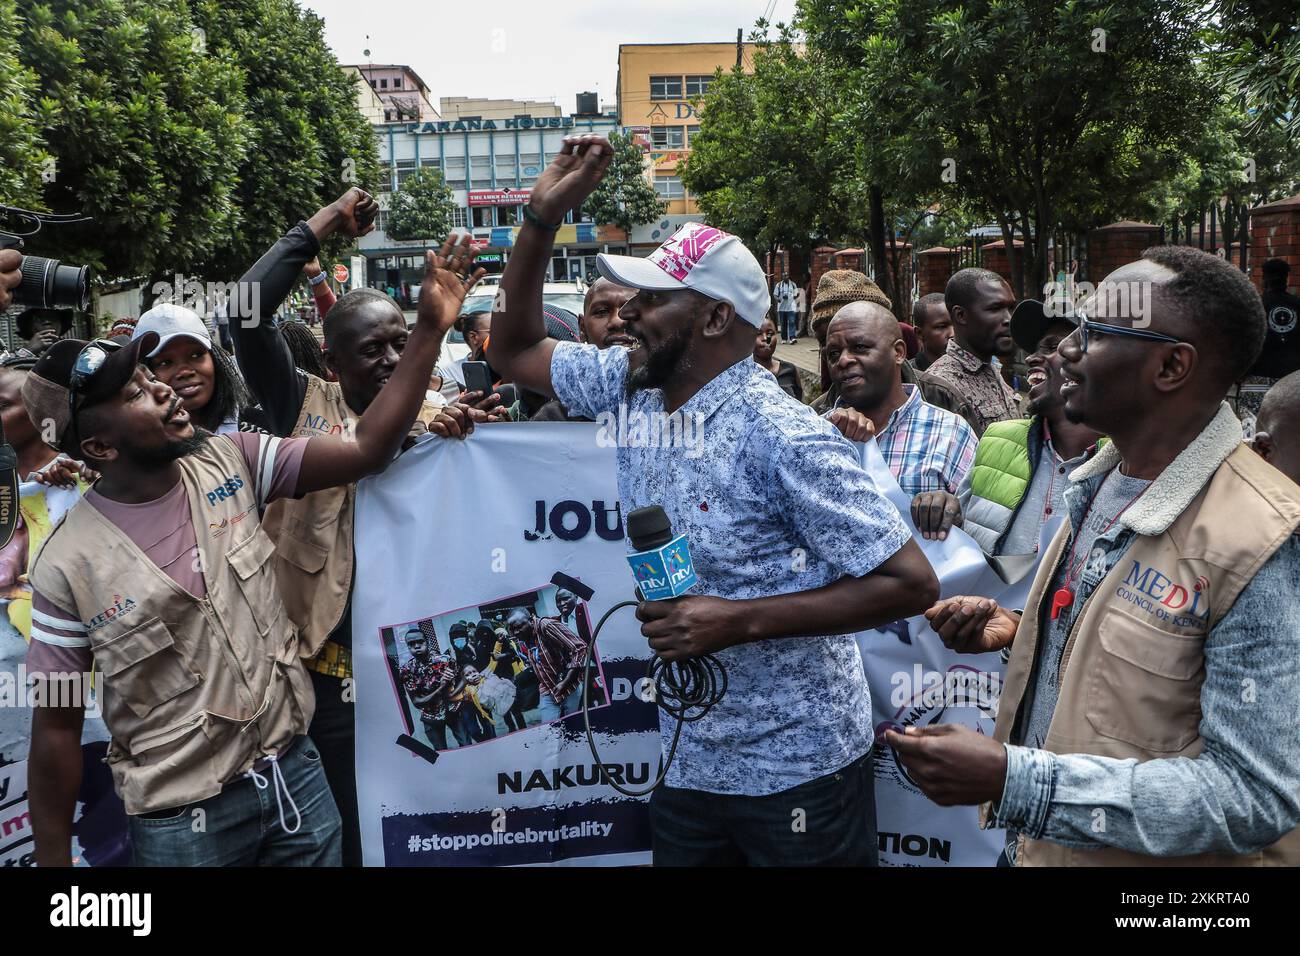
925,447
966,384
553,649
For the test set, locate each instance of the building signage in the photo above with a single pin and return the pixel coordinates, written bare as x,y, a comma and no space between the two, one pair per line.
469,125
498,197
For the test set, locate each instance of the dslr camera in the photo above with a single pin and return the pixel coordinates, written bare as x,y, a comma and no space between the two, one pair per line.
47,283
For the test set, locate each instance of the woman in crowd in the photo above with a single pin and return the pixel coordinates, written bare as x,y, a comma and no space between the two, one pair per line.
205,378
787,376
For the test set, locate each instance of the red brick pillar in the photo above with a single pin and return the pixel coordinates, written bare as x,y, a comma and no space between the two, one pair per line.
935,268
993,256
1275,234
818,265
1118,244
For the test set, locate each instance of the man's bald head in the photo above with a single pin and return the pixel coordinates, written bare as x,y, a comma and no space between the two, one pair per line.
868,315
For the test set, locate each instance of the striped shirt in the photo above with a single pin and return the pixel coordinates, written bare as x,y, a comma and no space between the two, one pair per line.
926,447
164,530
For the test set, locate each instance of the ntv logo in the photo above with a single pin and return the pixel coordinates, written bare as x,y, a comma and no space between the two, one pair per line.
75,909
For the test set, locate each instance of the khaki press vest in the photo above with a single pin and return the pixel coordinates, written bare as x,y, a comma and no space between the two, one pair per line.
313,534
1133,665
194,691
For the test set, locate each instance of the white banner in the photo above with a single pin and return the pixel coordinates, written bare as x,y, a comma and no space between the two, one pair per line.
916,681
463,541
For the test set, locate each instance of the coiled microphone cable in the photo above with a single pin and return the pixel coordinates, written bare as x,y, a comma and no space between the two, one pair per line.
685,690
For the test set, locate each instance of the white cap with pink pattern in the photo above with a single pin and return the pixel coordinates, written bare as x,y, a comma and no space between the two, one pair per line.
712,262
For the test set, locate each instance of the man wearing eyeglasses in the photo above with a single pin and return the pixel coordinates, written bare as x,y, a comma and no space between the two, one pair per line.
1148,713
161,578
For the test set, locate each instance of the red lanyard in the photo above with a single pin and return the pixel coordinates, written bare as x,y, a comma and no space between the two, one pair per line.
1064,595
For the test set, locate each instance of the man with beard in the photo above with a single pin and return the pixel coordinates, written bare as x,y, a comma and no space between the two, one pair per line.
1148,715
963,379
793,732
556,655
1022,467
926,448
161,578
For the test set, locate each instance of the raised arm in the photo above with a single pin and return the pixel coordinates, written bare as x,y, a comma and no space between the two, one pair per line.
520,350
328,462
264,358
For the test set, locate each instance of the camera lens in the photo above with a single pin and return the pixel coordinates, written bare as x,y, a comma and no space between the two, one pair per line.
48,284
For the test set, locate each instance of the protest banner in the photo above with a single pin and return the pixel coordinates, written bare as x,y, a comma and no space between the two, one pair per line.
490,558
917,682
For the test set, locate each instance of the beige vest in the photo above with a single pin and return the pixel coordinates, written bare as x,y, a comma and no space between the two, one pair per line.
1133,665
194,691
313,534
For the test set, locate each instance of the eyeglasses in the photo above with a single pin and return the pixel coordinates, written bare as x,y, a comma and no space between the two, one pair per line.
1087,326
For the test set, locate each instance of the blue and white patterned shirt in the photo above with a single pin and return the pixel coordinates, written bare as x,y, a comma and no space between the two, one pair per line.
927,448
773,501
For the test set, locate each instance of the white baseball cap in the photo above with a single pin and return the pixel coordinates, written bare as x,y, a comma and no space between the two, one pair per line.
712,262
172,321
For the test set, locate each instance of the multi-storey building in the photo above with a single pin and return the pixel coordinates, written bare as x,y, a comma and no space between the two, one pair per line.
490,160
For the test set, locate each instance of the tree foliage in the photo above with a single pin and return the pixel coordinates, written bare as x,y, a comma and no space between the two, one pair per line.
1040,113
421,209
624,198
22,148
145,133
193,133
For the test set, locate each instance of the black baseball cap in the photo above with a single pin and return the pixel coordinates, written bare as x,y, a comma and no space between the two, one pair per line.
45,391
1030,322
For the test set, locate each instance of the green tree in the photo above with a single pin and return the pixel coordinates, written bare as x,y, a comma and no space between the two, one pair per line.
422,207
307,139
624,198
22,150
773,162
1257,53
146,133
1039,113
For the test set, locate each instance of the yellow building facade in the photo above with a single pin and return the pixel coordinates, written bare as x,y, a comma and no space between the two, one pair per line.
660,86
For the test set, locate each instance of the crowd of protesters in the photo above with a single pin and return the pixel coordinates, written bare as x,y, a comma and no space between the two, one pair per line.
1171,582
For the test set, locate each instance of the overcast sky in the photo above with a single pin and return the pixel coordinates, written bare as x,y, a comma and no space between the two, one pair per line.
526,49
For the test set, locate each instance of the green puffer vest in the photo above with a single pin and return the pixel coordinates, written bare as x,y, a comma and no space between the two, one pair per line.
999,479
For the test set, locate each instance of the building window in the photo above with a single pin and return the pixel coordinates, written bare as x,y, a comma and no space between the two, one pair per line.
383,84
665,87
698,85
691,133
388,116
397,83
667,137
459,219
669,187
405,167
381,221
483,218
511,215
434,162
374,84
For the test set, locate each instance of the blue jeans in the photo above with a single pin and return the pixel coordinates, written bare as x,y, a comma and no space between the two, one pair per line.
548,710
240,826
829,821
789,324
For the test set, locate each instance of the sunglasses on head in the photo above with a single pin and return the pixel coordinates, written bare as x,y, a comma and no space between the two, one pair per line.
87,365
1088,326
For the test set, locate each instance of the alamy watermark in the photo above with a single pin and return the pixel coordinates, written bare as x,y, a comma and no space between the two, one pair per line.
1109,300
637,429
240,301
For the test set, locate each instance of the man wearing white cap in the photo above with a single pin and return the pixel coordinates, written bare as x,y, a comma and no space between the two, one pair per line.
791,543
